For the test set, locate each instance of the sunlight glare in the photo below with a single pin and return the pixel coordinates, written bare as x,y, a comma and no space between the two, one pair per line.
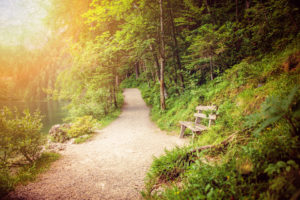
22,23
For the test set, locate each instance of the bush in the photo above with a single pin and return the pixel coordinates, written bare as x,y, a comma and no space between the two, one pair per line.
24,173
20,144
58,132
20,136
82,126
6,181
130,82
97,104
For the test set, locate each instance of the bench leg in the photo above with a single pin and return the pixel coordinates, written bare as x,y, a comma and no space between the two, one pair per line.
193,136
195,132
182,131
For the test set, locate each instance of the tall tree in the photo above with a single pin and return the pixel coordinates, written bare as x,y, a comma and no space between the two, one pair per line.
176,47
162,57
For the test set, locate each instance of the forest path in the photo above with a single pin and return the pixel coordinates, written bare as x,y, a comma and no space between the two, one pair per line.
111,166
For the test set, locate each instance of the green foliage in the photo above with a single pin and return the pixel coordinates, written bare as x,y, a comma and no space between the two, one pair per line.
30,172
20,136
59,134
82,126
25,173
276,108
82,139
274,169
89,85
80,129
130,82
105,121
170,166
254,166
244,46
252,171
7,182
20,145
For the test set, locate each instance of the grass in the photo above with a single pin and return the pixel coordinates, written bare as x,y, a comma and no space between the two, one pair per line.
27,173
30,172
255,165
82,139
104,122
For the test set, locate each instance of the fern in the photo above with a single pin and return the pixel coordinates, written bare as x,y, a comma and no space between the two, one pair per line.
274,109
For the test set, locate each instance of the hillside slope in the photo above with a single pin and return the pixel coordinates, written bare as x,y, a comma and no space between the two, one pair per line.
258,103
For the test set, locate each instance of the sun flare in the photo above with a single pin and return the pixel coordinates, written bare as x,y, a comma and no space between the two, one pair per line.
22,22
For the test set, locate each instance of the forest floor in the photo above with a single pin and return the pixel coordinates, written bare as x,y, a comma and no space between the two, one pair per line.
111,166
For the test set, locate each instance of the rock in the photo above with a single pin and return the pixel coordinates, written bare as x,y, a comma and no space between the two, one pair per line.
71,141
158,191
58,132
60,148
56,147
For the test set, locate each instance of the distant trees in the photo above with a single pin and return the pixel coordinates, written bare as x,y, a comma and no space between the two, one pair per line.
25,73
177,44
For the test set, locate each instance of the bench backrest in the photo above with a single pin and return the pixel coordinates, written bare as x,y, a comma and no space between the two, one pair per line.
200,115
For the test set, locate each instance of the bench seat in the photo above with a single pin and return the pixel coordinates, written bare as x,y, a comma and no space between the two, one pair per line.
194,127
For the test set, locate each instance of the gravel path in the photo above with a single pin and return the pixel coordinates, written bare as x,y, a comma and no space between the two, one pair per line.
111,166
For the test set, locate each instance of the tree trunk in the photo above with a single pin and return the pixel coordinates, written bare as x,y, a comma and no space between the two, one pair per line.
209,12
162,58
115,97
176,49
153,75
157,67
207,6
236,11
155,60
117,81
115,85
137,71
247,4
143,66
211,69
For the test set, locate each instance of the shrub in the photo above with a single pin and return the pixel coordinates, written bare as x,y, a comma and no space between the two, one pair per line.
6,181
58,132
130,82
20,136
24,173
20,144
82,126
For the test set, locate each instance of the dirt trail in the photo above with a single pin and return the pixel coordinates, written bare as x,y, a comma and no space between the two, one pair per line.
111,166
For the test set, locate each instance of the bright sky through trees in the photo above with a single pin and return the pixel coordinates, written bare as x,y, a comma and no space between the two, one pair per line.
22,22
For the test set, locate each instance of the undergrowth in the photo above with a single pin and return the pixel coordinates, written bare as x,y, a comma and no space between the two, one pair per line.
26,173
105,121
258,102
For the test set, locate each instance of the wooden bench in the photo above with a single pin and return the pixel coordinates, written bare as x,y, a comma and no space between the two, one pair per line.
196,127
